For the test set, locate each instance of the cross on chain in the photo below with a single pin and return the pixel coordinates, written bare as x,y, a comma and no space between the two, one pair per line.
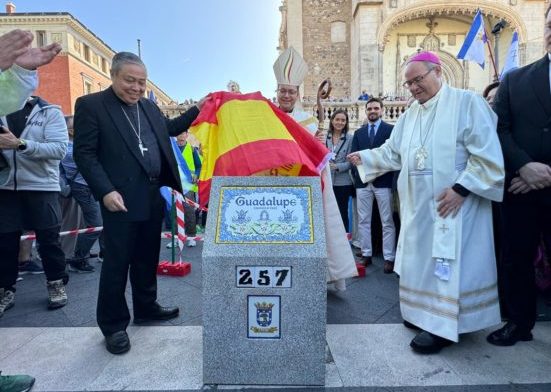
142,148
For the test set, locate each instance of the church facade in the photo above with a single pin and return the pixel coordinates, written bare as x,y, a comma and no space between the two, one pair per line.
362,45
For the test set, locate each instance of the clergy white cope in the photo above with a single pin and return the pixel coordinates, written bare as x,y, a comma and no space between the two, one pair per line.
447,267
290,69
340,260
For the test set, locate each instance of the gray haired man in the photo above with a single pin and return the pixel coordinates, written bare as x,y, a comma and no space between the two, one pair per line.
122,149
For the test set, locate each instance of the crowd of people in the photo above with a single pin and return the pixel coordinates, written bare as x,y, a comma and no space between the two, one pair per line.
438,173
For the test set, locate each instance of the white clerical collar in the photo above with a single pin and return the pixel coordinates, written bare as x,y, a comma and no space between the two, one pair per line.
549,56
433,101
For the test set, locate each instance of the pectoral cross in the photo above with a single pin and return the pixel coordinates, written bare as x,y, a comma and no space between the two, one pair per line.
444,228
420,155
142,148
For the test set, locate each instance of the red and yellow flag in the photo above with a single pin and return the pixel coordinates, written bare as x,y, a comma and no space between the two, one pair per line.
245,134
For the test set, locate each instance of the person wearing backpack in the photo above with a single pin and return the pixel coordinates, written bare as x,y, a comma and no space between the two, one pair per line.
33,141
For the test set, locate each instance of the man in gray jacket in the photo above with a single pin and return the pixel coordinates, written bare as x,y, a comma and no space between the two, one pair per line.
33,140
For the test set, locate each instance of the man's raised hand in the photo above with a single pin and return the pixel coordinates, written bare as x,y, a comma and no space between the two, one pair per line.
36,57
12,45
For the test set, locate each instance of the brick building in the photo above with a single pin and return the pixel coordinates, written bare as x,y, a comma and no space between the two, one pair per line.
83,65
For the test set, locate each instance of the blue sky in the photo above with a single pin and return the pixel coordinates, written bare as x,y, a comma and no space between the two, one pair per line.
190,47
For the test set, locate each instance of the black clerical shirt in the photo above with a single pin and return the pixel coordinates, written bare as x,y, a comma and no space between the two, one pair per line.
152,157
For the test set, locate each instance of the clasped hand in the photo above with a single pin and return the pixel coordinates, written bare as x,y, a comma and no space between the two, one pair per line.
532,176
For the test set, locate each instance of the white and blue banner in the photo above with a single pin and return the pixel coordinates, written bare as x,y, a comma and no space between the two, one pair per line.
473,47
183,169
511,62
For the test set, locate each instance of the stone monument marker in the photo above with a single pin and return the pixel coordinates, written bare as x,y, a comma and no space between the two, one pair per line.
264,282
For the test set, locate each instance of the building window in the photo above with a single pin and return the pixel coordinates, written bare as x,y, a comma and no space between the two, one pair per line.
87,87
104,65
76,46
86,53
40,38
452,39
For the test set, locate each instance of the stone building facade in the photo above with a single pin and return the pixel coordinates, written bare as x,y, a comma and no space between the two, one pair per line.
83,65
362,44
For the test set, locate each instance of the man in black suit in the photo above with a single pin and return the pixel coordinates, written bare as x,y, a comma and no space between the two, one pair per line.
523,106
123,151
373,134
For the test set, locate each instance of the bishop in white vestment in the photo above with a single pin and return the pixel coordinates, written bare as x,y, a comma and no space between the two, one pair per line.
451,168
290,70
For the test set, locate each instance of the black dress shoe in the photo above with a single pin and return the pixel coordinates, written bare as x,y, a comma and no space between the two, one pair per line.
427,343
409,325
159,314
118,343
388,267
509,335
365,260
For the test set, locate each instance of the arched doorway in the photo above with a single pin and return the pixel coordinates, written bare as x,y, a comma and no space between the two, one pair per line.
408,24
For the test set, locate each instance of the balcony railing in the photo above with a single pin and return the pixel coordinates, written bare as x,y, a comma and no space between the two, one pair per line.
172,111
392,110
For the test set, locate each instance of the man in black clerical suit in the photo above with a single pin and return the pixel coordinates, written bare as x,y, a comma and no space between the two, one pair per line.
523,106
123,151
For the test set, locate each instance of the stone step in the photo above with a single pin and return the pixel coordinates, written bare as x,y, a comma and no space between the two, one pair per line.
360,355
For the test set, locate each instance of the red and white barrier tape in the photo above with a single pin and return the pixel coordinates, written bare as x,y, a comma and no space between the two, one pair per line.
194,204
165,235
74,232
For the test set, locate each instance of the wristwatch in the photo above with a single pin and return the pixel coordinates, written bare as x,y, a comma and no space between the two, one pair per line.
22,145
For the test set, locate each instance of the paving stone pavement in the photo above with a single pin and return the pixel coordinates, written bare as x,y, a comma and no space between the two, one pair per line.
367,345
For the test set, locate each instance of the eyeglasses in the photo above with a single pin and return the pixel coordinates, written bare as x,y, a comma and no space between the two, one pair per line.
283,91
417,80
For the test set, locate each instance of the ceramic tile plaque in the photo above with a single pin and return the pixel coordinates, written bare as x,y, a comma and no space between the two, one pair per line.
265,215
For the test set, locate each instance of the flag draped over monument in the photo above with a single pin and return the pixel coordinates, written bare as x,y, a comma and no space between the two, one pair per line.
245,134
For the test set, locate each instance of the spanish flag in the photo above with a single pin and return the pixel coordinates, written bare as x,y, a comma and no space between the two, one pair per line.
245,134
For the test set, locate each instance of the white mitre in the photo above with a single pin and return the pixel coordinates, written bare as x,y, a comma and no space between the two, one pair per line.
290,68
